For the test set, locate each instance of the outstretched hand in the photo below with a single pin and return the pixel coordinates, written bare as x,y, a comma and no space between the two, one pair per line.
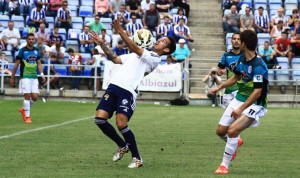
96,38
213,91
117,25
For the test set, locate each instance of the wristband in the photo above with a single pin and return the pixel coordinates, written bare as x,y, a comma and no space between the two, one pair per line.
42,74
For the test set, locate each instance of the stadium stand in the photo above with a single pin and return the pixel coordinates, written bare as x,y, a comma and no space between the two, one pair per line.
77,23
85,11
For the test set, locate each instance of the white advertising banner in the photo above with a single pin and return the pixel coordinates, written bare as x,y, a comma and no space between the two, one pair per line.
164,78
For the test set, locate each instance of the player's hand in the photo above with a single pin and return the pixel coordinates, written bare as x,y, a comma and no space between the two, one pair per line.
96,38
236,113
213,91
12,81
117,25
43,79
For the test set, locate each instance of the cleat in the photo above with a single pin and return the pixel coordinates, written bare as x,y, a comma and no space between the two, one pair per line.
22,111
135,163
28,120
240,143
221,170
120,153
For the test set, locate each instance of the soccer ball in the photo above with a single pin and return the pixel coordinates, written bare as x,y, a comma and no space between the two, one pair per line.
143,38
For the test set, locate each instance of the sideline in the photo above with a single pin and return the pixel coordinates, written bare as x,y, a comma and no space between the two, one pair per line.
44,128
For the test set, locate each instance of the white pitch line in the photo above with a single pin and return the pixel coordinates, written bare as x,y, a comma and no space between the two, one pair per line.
43,128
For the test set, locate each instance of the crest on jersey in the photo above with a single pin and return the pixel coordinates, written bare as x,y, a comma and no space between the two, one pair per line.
124,101
258,79
35,52
249,69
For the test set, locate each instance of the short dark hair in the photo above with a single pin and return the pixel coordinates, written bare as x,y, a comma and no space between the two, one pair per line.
260,7
95,51
235,33
70,50
279,21
120,42
29,34
181,19
166,17
56,26
39,6
267,42
284,32
171,45
103,29
250,39
180,9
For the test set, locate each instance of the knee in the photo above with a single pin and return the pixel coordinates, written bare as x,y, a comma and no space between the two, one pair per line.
121,124
34,98
232,133
220,133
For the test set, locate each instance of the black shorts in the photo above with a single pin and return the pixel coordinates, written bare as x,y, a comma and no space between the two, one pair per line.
117,99
98,71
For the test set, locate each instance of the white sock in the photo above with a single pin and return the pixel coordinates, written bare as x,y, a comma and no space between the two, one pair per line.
230,148
31,102
26,105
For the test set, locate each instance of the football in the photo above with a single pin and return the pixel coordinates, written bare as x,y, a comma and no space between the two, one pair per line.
143,38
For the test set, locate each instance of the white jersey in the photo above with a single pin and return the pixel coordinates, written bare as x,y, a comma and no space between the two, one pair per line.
133,68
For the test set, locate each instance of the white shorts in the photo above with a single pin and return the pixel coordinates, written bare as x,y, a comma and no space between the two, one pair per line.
227,98
28,85
254,111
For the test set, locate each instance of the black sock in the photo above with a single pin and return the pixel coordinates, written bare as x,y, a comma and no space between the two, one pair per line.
130,139
110,131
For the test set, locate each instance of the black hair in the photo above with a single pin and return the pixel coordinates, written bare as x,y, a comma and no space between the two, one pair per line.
267,42
29,34
250,39
95,51
171,45
260,7
103,29
235,33
70,50
120,42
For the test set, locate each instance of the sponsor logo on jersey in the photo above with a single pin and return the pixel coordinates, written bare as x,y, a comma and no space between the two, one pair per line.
258,79
124,101
31,59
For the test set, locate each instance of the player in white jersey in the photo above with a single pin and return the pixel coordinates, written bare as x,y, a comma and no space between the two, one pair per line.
120,95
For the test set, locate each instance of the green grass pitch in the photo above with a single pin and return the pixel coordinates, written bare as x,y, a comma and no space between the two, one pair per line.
173,142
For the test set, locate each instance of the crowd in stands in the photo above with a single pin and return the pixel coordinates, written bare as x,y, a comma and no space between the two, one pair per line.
276,24
62,30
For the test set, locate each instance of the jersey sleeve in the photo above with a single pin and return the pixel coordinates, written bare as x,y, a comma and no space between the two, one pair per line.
222,63
20,55
125,57
259,73
150,57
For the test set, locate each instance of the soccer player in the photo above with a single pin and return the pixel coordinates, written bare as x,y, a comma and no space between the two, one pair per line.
250,102
29,58
121,93
228,61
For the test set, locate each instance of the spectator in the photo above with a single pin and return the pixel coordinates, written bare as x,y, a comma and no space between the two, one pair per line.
2,46
86,41
282,48
41,46
295,44
276,31
164,29
37,16
151,18
44,3
43,34
97,60
96,25
57,53
119,49
123,15
182,31
229,3
102,8
182,4
163,8
64,16
262,21
54,80
75,59
12,7
292,18
296,28
55,37
145,5
3,7
247,21
10,37
279,16
134,6
54,6
269,56
212,80
181,53
180,14
106,38
25,6
4,62
132,26
231,21
114,6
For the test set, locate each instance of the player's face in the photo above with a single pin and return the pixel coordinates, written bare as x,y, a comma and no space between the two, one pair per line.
161,44
236,41
30,41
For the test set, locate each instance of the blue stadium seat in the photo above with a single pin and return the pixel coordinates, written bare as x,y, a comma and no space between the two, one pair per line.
66,58
288,13
85,56
1,29
262,37
4,19
291,4
77,23
73,10
74,34
228,38
283,62
63,33
62,70
260,3
296,77
272,13
87,70
247,2
275,4
85,11
107,23
50,21
282,77
271,76
296,63
174,11
87,3
24,32
229,47
18,21
109,32
88,20
73,2
9,56
72,44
